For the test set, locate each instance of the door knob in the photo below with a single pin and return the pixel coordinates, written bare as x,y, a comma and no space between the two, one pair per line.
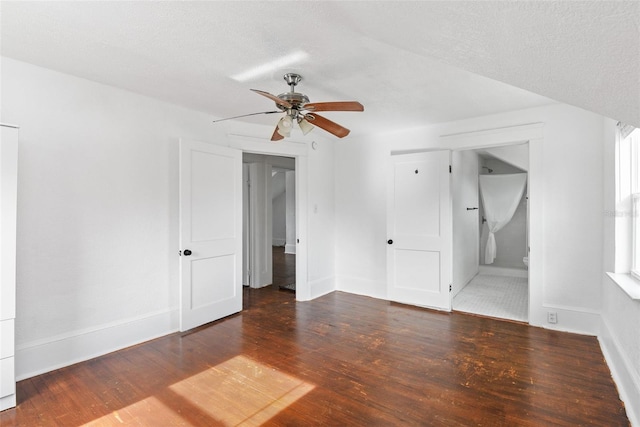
186,252
390,242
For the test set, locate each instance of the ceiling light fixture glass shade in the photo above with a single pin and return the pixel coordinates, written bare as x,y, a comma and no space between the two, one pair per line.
284,126
305,126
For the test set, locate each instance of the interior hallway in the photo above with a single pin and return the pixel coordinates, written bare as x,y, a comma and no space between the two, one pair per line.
341,359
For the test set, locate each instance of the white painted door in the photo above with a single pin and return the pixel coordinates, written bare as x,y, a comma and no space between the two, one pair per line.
8,200
210,233
419,227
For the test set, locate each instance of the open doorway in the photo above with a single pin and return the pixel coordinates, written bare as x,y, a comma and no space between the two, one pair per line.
211,226
269,222
490,227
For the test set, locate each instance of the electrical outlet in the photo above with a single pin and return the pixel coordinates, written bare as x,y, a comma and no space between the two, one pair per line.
552,317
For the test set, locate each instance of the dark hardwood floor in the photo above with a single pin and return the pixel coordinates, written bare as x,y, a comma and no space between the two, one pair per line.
284,267
340,360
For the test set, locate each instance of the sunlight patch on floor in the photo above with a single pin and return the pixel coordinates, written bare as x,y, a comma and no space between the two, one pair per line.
242,391
238,392
147,412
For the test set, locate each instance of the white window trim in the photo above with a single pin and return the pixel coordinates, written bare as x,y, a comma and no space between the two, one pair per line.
627,206
634,269
627,283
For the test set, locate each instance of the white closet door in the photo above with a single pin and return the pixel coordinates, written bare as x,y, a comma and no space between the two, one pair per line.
210,233
419,249
8,190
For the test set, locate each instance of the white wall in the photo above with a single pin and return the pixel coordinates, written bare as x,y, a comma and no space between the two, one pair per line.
290,212
464,188
514,155
571,184
260,219
279,203
98,213
361,219
322,215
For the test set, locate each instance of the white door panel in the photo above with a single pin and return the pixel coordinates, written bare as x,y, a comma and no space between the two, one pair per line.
7,338
7,377
419,229
417,270
210,233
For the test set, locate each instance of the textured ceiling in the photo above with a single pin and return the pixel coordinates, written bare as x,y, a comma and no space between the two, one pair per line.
409,63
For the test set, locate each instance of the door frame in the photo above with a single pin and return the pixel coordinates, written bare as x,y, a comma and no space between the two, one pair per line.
299,151
534,135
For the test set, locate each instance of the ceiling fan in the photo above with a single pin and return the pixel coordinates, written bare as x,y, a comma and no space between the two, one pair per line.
297,108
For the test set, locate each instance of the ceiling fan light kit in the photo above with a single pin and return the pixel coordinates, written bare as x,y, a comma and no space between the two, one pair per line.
297,107
304,125
284,126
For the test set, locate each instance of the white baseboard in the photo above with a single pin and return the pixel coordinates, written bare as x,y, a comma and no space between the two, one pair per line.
576,320
503,271
625,377
321,287
365,287
37,357
278,242
290,249
457,288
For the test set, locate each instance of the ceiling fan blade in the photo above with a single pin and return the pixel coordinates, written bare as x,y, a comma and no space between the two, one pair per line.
276,135
327,125
277,100
246,115
334,106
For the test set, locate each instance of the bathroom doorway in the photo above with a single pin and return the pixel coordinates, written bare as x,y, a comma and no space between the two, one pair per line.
490,227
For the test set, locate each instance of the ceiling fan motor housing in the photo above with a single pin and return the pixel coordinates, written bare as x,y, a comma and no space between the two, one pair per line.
294,98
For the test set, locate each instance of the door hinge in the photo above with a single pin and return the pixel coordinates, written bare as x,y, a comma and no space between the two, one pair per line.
450,288
449,168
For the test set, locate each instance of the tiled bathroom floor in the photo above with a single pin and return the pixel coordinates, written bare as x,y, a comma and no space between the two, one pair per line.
496,296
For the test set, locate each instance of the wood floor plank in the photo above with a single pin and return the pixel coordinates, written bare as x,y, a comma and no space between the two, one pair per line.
339,360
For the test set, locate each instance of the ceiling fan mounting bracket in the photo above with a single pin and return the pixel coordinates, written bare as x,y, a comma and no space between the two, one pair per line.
292,80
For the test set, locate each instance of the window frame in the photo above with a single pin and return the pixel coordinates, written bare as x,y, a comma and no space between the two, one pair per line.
628,204
634,269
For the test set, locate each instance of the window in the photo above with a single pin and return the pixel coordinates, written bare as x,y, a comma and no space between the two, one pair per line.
634,141
626,215
635,236
627,211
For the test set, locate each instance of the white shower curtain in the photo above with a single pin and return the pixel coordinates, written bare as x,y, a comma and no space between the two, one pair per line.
501,195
